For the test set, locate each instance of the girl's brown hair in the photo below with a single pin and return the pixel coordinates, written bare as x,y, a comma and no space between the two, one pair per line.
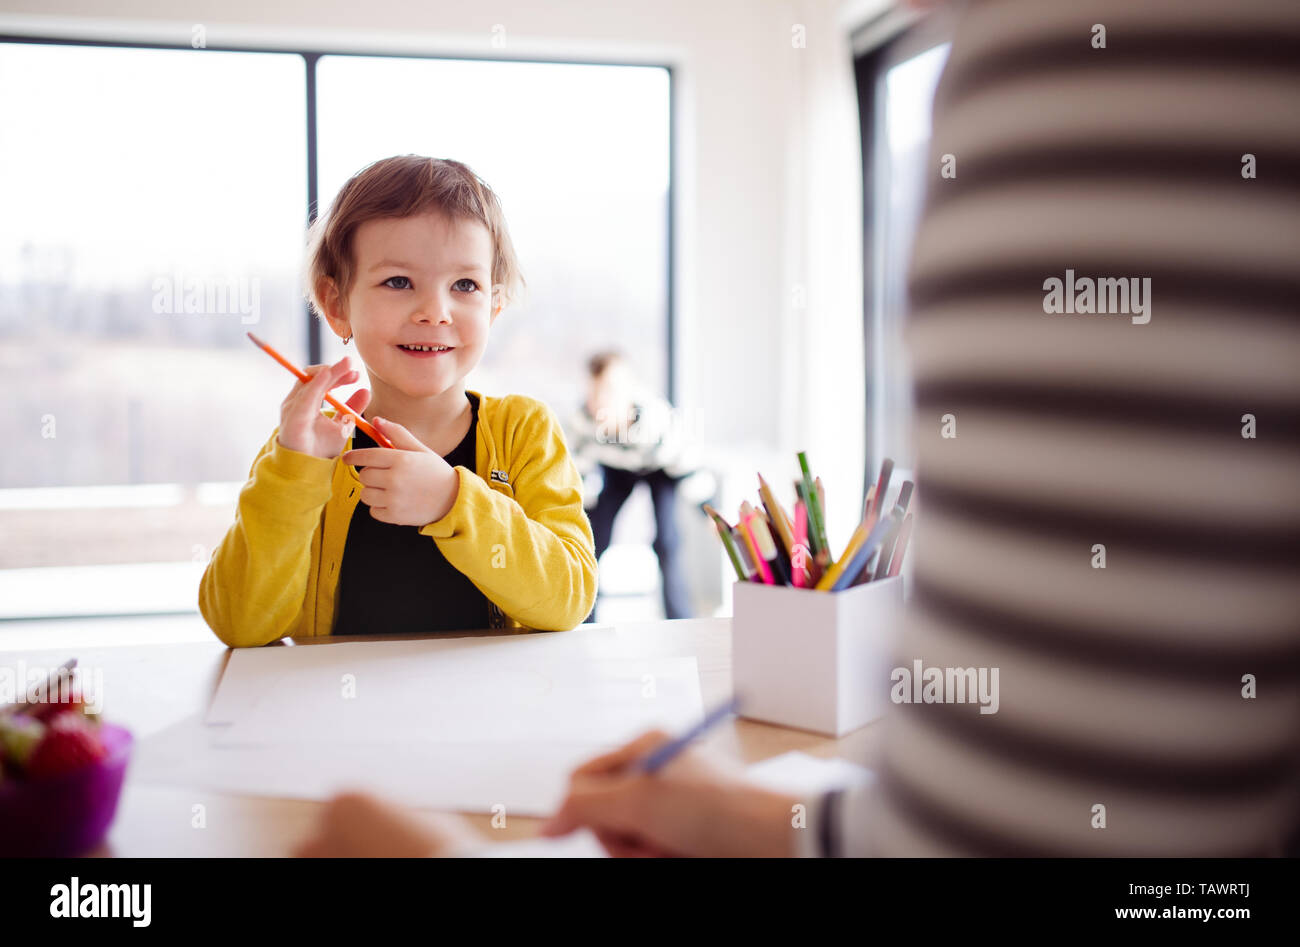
403,186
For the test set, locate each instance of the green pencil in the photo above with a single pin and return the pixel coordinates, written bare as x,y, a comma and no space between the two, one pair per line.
728,543
812,533
816,524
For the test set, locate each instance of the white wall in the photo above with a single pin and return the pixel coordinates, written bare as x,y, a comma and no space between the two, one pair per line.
768,187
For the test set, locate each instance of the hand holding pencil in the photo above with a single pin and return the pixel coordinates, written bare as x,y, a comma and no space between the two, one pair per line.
303,427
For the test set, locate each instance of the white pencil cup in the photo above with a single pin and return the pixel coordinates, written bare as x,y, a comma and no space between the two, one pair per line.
814,660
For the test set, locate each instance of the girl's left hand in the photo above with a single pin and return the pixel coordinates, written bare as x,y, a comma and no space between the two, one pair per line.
359,825
409,486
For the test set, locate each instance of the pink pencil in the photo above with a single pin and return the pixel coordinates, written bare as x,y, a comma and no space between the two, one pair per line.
764,569
800,540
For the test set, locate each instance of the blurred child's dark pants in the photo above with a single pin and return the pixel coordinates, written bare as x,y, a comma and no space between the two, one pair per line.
667,544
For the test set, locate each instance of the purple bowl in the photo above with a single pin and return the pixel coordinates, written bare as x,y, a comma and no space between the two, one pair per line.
69,814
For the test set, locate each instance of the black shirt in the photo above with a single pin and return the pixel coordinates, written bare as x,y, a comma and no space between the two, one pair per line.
394,580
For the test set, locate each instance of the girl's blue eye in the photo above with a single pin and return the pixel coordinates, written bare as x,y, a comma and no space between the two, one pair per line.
390,279
469,289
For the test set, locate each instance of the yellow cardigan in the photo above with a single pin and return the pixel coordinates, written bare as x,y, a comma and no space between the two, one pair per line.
517,530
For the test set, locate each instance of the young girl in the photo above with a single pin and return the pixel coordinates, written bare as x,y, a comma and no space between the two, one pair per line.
475,519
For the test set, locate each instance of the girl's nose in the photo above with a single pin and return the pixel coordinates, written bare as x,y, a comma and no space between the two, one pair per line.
436,310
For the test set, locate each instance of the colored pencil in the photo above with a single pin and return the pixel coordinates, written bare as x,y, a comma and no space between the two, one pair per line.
887,548
660,757
746,555
882,485
884,526
767,549
832,575
800,542
903,535
303,377
802,497
749,523
821,501
778,548
816,523
724,533
776,513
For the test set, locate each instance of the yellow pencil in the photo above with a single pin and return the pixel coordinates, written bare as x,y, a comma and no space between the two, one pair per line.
776,513
855,542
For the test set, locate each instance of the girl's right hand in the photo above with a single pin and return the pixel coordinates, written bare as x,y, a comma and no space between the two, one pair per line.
303,427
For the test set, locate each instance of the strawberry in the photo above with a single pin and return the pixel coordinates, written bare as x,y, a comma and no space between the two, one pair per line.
19,737
69,745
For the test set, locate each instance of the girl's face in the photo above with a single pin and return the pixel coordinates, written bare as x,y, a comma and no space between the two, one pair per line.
420,281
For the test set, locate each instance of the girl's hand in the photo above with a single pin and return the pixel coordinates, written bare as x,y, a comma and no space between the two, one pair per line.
692,806
303,427
409,486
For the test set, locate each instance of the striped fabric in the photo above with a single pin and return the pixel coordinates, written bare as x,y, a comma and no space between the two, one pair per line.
1120,687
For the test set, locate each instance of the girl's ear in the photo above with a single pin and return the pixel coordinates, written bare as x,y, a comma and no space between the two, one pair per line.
335,311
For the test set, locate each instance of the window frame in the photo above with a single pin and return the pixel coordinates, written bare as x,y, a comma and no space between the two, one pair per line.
311,57
897,39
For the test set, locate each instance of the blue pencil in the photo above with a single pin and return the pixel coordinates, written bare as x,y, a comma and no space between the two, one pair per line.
883,528
657,759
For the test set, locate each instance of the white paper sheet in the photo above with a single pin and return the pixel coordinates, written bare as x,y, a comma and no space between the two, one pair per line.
528,779
459,724
251,672
559,688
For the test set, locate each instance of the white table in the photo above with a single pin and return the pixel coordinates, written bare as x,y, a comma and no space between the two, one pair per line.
150,686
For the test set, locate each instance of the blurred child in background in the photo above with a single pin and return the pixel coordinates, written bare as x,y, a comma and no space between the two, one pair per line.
622,435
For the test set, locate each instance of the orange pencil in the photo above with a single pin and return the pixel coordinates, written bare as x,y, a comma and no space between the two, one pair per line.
304,378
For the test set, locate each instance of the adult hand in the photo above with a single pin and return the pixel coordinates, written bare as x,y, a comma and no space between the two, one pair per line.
693,806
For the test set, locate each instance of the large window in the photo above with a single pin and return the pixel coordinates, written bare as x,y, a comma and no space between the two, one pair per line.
578,156
153,206
896,85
